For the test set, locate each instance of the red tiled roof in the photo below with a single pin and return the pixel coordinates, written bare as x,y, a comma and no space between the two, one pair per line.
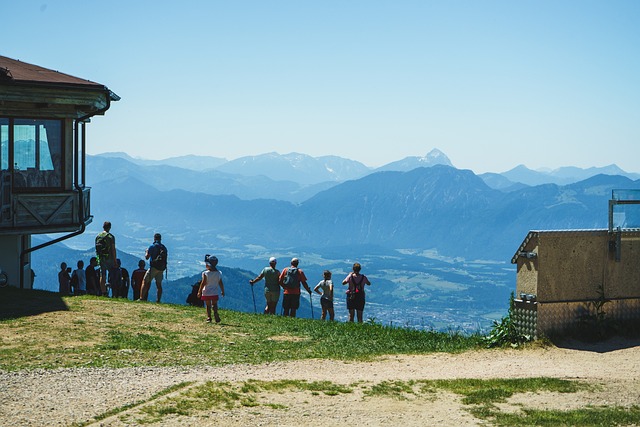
18,71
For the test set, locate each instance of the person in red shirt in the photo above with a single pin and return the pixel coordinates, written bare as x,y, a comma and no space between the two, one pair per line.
290,280
136,279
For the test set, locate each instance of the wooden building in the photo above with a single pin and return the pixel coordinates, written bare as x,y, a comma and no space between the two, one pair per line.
43,117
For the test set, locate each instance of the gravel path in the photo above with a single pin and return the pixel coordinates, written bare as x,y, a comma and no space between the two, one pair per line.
65,396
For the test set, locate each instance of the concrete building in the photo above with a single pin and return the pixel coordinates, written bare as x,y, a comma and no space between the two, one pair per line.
43,117
566,278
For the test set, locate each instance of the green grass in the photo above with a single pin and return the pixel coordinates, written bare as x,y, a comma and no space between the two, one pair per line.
591,416
96,332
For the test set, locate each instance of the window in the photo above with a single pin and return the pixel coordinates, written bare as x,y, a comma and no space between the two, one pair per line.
37,153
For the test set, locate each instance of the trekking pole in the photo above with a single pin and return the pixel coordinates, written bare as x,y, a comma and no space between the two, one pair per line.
255,310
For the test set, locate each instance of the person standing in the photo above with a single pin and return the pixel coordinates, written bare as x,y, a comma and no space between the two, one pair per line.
290,280
157,256
326,300
271,277
355,293
105,255
64,279
137,278
79,279
211,287
92,278
123,273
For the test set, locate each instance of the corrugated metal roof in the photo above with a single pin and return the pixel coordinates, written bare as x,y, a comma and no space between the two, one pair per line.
12,70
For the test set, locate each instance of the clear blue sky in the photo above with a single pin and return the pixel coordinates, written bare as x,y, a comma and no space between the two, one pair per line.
492,84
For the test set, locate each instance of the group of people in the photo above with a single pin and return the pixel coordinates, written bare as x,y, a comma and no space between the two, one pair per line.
290,279
105,276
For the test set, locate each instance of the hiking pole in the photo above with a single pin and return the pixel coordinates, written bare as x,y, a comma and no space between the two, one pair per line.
255,310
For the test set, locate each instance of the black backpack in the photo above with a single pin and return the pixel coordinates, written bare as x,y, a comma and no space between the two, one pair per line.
159,257
292,278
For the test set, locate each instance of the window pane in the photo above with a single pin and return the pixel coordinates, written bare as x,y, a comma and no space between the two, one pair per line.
37,146
4,144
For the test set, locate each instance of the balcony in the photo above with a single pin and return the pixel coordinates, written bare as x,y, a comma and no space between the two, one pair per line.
36,213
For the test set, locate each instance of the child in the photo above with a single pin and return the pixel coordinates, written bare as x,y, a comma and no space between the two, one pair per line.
326,301
211,287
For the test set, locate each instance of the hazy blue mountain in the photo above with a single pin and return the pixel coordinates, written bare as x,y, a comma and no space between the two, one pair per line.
562,176
193,162
500,182
452,211
434,157
297,167
164,177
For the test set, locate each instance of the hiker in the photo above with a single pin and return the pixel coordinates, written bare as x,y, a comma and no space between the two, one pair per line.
64,279
290,280
137,278
211,287
355,293
115,280
79,279
92,277
123,290
326,300
157,256
271,276
105,254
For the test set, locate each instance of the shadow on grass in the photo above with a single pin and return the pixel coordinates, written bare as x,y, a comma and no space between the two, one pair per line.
16,303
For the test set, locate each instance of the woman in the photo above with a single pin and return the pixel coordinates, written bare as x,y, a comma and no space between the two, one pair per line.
355,294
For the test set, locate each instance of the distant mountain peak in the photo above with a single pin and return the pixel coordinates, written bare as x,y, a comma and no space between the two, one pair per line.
433,157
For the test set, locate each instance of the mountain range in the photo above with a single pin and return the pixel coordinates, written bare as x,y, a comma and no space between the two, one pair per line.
435,239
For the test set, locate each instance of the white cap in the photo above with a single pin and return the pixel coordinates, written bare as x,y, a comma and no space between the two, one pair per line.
272,259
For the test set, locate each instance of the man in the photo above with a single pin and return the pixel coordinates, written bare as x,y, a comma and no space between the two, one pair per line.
106,255
79,278
271,285
290,280
137,278
123,279
157,256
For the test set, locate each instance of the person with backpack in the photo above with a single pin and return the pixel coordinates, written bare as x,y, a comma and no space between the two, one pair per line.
105,255
355,293
290,280
211,287
271,276
326,300
157,256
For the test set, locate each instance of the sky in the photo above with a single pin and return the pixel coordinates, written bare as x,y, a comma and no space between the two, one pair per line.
492,84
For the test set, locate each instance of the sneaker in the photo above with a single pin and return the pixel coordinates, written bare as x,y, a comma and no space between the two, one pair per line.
208,319
217,319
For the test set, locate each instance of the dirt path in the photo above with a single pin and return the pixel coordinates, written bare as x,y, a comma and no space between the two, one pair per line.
66,396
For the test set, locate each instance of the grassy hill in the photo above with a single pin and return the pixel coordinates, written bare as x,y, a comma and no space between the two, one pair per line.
40,329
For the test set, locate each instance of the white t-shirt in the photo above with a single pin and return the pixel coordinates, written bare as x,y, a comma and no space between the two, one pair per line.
212,287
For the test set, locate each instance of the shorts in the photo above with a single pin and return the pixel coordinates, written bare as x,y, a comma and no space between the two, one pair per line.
291,301
271,296
326,303
213,298
355,303
153,273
